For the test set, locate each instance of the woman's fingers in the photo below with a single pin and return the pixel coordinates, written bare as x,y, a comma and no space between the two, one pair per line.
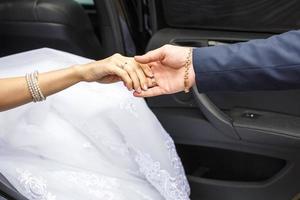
155,91
151,82
133,75
142,77
137,72
124,76
147,70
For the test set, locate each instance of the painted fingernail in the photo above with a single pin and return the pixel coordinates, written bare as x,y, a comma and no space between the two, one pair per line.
145,87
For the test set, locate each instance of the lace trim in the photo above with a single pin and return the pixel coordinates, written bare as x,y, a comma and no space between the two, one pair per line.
130,107
99,186
176,163
34,188
170,187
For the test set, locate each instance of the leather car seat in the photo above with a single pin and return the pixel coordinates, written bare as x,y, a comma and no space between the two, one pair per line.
58,24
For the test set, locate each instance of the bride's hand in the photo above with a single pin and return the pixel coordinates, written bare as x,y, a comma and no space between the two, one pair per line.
117,68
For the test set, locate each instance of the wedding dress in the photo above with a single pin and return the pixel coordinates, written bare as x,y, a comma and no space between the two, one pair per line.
90,141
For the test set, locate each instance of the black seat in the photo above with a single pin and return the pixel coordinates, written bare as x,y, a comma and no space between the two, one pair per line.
59,24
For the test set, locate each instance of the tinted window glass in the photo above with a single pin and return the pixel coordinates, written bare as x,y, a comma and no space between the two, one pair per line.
246,15
85,2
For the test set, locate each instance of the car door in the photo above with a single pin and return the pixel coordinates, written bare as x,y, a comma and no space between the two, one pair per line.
233,145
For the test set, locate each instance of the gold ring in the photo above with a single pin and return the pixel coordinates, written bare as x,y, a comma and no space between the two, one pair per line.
124,65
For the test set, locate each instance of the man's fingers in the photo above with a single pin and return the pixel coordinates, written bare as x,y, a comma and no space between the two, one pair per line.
155,91
151,56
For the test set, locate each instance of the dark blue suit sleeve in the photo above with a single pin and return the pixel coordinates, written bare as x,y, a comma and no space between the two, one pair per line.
266,64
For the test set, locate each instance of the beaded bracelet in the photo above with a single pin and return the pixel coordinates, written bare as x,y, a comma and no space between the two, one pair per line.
30,87
33,86
38,89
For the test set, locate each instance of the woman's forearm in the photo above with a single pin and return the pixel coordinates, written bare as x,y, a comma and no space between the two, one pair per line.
15,92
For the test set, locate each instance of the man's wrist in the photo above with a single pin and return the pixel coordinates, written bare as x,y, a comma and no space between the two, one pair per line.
192,76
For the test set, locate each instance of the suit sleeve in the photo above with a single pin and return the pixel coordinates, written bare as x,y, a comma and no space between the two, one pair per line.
266,64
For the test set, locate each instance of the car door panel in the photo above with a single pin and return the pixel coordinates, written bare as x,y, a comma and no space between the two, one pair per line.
233,145
259,128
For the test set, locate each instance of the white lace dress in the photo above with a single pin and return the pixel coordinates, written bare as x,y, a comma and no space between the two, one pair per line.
91,141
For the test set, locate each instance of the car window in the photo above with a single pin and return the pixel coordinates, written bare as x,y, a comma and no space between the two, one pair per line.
85,2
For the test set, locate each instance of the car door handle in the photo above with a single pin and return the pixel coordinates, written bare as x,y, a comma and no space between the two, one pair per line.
215,116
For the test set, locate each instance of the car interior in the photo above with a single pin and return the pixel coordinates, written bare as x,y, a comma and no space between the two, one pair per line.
233,145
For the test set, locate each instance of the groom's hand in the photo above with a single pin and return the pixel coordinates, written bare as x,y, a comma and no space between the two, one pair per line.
167,64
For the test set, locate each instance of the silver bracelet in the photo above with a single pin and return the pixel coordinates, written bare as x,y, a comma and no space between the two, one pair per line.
30,87
38,90
33,86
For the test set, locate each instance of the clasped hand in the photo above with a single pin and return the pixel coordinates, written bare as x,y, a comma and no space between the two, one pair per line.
158,72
